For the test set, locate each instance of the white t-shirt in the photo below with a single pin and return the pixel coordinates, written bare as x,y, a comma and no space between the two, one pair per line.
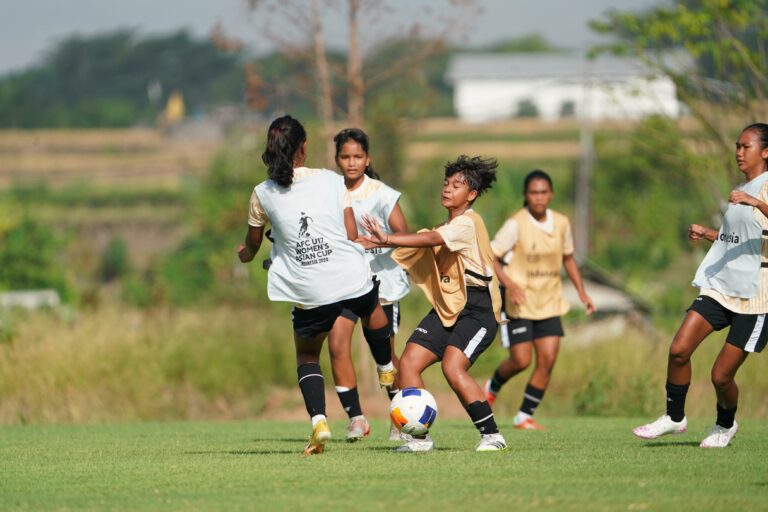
376,199
313,263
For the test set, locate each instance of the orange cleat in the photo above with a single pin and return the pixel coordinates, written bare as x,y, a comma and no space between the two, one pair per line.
529,424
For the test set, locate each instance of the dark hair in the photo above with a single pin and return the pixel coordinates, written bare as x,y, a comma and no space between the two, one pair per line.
284,139
536,174
359,136
761,129
479,172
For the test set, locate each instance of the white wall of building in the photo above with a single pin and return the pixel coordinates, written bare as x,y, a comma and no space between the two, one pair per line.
481,100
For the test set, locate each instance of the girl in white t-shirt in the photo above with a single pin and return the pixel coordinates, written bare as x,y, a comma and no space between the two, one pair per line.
369,196
315,263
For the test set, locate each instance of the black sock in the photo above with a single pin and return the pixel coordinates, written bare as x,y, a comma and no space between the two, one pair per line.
378,341
311,382
531,399
725,417
391,393
676,401
497,381
350,401
482,416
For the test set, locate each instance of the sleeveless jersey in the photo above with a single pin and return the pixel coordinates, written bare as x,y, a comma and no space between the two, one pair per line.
376,199
313,263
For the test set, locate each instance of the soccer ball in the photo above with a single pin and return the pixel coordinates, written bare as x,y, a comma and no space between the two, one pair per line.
413,411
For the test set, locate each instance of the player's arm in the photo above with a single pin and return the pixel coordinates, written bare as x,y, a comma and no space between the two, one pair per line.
741,197
397,222
572,269
516,294
253,238
381,239
697,232
350,224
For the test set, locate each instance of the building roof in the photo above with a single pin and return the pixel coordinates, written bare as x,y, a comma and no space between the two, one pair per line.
499,66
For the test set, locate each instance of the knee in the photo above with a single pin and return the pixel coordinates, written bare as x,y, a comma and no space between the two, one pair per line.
679,352
520,363
546,362
451,372
721,380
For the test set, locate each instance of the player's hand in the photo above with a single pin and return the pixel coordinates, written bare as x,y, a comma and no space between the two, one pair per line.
587,301
371,225
366,242
244,253
515,293
741,197
696,232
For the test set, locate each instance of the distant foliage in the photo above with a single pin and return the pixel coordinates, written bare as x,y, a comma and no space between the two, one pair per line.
115,260
527,108
30,255
104,81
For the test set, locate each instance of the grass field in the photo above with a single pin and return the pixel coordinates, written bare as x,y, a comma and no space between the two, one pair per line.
578,464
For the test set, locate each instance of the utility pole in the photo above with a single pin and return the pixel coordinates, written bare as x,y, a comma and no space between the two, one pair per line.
584,174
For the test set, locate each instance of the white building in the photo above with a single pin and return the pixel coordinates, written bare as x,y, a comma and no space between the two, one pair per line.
493,86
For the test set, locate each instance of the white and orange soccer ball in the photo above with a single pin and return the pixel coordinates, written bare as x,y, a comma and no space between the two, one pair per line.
413,411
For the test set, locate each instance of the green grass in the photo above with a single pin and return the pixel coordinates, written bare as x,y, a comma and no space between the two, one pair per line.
578,464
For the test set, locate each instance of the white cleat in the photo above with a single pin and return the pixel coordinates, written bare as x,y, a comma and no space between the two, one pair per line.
394,433
661,427
357,429
491,443
416,444
719,437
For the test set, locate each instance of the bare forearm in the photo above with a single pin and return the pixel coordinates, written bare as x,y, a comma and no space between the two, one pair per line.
425,239
572,269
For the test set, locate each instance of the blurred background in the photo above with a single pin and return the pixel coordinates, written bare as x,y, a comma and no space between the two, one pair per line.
130,142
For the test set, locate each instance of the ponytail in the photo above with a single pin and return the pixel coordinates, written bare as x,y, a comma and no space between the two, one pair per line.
284,139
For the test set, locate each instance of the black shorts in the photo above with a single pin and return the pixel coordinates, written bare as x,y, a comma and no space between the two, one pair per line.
308,323
520,330
391,310
473,332
748,332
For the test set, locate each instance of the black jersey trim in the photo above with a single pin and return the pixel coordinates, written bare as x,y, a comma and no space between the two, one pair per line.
481,277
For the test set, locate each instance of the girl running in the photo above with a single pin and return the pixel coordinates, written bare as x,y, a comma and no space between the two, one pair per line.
733,282
315,264
369,197
540,244
453,265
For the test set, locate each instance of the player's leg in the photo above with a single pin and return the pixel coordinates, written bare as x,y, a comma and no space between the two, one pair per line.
517,337
340,350
546,348
702,318
724,371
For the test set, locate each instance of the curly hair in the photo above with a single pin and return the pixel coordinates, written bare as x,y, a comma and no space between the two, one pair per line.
479,172
284,138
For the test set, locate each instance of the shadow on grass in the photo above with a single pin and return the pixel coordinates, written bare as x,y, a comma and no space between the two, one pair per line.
281,439
392,449
245,452
671,443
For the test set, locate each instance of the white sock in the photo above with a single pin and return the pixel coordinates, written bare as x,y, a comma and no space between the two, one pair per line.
317,418
341,389
385,368
361,417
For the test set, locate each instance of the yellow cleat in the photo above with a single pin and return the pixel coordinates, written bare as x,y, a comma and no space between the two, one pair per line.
321,434
387,378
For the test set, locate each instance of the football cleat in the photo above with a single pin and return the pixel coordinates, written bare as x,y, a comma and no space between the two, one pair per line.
661,427
719,437
321,434
357,429
490,395
491,443
528,424
387,378
416,444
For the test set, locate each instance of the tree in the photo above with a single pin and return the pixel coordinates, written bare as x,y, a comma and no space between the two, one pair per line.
725,39
362,17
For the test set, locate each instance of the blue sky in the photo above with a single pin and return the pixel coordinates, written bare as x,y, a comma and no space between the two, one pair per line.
28,28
